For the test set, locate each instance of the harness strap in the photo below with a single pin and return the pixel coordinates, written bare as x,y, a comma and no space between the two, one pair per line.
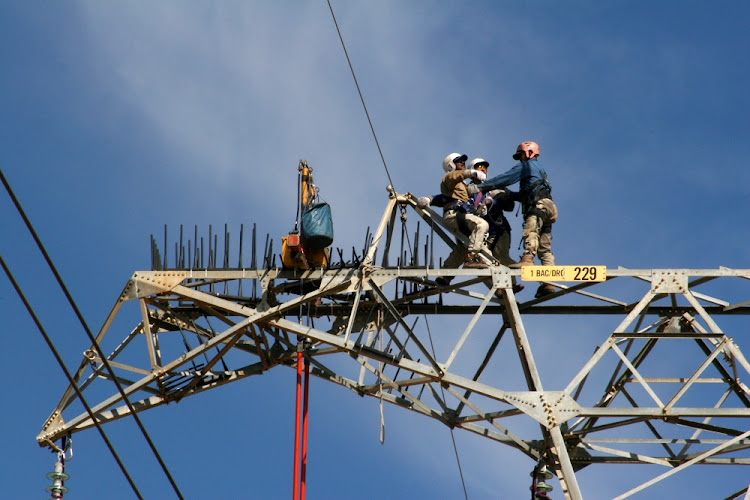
458,206
540,189
534,211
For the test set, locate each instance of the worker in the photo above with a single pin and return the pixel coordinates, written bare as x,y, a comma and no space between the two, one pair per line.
490,207
459,215
539,211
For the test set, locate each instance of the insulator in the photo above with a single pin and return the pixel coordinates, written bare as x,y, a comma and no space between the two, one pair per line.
58,476
541,486
542,474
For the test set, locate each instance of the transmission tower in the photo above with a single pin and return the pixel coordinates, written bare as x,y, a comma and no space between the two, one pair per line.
379,325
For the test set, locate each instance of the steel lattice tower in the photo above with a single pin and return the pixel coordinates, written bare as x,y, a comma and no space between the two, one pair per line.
368,329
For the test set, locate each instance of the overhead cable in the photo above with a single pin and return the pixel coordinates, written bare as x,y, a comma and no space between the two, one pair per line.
361,98
390,181
91,337
69,377
453,438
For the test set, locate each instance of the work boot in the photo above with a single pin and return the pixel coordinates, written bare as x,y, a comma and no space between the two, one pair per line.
516,288
441,281
473,263
526,260
544,290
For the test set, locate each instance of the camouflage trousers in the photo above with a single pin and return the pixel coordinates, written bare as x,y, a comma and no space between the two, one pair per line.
537,231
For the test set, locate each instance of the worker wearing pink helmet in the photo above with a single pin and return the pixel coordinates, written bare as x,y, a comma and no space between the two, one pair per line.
539,210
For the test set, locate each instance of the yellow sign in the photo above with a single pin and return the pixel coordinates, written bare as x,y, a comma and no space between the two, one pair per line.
564,273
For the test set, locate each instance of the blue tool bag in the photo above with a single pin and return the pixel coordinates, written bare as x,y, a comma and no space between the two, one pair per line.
317,225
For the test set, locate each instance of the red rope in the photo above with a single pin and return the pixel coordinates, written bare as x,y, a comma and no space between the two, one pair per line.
304,428
296,426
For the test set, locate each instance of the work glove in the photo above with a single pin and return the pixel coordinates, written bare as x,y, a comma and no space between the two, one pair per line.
472,189
499,194
477,175
424,201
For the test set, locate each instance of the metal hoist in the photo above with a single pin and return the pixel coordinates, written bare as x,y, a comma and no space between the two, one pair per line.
306,246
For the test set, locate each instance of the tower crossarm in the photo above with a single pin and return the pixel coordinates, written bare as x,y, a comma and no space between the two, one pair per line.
647,366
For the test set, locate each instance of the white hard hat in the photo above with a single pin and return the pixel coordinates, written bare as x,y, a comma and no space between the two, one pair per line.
449,163
478,162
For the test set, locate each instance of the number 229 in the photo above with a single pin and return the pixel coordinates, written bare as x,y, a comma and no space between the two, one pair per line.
585,273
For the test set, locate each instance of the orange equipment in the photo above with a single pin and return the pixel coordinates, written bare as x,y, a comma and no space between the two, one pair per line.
293,253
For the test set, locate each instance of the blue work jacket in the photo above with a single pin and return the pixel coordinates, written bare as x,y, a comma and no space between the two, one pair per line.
527,173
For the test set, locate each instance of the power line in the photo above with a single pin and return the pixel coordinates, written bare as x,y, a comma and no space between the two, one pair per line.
367,114
68,375
453,437
403,211
91,337
361,98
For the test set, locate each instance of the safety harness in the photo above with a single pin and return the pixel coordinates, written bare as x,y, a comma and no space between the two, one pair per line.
538,191
461,208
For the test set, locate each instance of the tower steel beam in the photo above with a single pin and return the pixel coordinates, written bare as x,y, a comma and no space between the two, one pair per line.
673,393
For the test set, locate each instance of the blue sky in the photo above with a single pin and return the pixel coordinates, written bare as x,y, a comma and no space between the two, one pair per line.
120,117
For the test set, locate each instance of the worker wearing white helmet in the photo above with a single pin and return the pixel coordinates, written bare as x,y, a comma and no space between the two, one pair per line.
539,210
449,163
459,215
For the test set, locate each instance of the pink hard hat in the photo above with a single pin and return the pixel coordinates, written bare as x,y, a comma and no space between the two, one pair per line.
531,149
